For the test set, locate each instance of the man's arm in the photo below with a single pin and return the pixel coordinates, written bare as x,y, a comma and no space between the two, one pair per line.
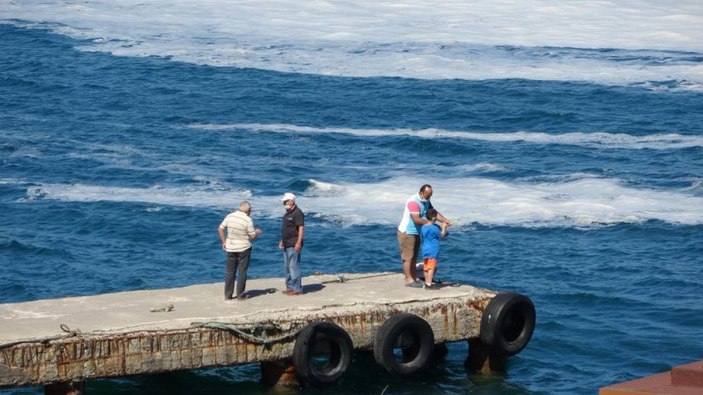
253,235
221,233
444,219
299,242
417,219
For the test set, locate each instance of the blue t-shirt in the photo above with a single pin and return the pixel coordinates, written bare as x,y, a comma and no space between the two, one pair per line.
431,233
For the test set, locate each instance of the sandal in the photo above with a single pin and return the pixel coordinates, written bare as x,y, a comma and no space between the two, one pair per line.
415,284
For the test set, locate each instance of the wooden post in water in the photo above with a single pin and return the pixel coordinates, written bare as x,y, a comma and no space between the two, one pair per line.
279,373
482,360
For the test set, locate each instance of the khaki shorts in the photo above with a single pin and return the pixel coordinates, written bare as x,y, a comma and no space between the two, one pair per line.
409,246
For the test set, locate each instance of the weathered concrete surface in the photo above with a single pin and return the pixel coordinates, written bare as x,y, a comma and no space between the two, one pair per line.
159,330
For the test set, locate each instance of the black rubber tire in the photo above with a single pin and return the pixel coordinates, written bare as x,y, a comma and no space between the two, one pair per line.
507,323
415,338
322,338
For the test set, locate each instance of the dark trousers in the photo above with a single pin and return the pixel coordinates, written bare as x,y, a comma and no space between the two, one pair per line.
237,264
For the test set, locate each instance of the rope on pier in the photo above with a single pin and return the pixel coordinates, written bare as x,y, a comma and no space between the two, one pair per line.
342,278
256,333
64,327
68,330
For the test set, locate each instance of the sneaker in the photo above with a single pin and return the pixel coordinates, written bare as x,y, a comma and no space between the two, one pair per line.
242,297
415,284
432,287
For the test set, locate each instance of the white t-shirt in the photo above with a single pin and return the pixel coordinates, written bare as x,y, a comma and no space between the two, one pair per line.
238,225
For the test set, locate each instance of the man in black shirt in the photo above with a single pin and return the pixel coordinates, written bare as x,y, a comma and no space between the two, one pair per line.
291,243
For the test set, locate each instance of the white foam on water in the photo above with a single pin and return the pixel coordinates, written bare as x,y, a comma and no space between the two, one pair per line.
574,200
484,168
593,140
579,202
192,196
696,187
626,42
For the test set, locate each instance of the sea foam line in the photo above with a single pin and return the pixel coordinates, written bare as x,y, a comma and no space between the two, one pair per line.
592,140
192,196
580,201
650,43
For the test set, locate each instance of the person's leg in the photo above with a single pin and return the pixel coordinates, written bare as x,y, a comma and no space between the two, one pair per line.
296,275
229,274
407,270
430,268
286,267
244,258
429,275
406,244
413,260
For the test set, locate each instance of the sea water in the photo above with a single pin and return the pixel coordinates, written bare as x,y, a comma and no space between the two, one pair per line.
564,140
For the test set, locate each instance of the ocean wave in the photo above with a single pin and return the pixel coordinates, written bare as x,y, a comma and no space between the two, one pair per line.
651,46
575,201
191,196
696,187
591,140
484,168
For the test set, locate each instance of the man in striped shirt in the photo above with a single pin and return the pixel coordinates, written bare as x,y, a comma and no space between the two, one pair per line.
236,232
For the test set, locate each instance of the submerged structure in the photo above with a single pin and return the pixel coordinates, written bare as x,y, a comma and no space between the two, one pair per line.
306,339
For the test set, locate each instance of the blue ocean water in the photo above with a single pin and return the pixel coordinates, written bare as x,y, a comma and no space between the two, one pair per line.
116,171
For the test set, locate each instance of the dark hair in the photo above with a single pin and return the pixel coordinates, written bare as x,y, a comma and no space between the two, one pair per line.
431,214
422,188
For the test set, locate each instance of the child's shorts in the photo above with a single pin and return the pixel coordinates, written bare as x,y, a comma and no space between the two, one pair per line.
429,264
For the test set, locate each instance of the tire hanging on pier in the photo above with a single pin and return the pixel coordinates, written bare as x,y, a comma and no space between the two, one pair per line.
507,323
404,344
322,353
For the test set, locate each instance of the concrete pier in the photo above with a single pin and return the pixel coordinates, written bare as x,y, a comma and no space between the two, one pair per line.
68,340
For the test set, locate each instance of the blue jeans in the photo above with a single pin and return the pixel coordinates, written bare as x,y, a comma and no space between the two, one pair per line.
291,264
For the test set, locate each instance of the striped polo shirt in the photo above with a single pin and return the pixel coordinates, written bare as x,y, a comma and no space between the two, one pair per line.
238,226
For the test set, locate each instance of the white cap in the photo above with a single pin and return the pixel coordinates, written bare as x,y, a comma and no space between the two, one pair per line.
287,196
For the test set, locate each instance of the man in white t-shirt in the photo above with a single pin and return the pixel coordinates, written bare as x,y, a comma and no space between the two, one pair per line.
236,232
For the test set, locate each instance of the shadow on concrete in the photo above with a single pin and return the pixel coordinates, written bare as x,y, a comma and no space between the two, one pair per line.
259,292
312,288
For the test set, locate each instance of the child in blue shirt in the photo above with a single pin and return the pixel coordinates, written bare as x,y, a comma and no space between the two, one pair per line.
431,233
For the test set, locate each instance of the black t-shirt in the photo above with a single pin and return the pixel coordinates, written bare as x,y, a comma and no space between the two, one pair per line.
289,230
